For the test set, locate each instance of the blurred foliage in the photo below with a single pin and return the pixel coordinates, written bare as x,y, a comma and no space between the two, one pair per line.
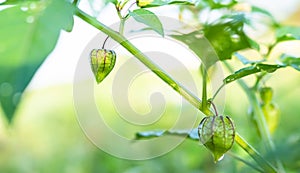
29,32
49,139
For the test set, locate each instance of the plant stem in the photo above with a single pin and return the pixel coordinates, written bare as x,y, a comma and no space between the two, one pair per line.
103,45
76,2
195,101
214,107
142,57
262,124
254,154
217,92
204,90
122,24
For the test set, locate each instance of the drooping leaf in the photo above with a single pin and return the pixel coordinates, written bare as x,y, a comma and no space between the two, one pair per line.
157,3
251,70
291,61
286,33
148,18
228,37
191,134
28,33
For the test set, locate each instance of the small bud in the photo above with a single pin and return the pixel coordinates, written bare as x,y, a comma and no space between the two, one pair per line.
266,94
102,62
217,134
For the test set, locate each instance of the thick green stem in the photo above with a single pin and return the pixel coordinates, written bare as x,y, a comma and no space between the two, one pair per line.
195,101
142,57
262,124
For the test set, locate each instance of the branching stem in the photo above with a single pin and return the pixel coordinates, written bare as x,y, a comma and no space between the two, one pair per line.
262,124
195,101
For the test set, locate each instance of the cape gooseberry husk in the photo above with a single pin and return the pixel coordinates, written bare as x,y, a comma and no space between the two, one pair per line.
217,134
272,115
102,63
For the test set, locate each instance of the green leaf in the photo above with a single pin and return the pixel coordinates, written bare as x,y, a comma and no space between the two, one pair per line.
28,33
291,61
286,33
148,18
226,38
229,37
157,3
237,21
200,46
251,70
191,134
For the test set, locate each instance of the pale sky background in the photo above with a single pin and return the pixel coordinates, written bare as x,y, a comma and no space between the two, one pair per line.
59,67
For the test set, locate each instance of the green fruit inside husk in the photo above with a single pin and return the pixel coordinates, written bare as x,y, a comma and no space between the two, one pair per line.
102,62
217,134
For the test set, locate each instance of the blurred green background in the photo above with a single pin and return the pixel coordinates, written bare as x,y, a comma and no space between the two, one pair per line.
46,137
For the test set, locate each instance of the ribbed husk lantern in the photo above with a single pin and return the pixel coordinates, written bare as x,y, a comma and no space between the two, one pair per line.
102,63
217,134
